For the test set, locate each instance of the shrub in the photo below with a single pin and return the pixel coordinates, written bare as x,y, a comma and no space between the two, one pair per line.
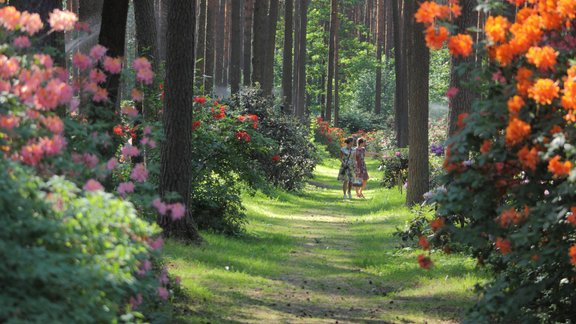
332,137
72,257
510,183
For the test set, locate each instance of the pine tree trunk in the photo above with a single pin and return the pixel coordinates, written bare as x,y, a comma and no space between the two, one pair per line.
146,35
260,34
227,31
270,47
379,45
235,46
418,103
400,98
336,75
462,102
287,55
211,11
162,18
219,48
176,153
200,45
330,78
299,88
248,25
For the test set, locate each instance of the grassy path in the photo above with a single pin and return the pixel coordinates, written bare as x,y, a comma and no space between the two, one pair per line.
314,258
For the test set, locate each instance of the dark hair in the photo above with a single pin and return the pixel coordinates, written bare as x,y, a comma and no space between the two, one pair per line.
348,140
360,141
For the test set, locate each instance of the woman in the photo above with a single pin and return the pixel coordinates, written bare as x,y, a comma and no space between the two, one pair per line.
346,173
361,172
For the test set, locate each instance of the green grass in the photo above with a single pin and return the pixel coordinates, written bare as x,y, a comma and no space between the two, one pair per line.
312,257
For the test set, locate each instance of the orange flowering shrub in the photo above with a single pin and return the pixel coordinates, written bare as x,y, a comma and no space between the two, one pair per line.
510,181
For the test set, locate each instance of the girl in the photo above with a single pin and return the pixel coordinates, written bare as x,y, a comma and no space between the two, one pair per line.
346,173
360,166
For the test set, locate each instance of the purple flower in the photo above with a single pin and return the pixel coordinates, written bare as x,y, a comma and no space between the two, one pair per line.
437,149
398,154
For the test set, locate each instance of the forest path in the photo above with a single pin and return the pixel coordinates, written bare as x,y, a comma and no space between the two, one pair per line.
315,258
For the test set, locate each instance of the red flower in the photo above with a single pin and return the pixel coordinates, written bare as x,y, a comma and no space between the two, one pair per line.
200,100
276,158
424,262
503,245
242,135
241,118
423,242
118,130
196,124
437,224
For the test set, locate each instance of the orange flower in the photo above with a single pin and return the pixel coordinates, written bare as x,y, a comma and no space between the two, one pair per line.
515,104
543,58
427,12
559,168
460,45
516,131
544,91
511,216
496,28
503,245
435,37
568,100
503,54
523,78
486,145
528,157
437,224
567,8
460,123
571,72
572,254
555,129
424,262
524,13
551,20
572,216
423,242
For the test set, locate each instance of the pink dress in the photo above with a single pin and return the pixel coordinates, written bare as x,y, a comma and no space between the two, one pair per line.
361,171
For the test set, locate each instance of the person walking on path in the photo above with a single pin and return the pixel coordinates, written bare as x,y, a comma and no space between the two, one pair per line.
361,172
346,173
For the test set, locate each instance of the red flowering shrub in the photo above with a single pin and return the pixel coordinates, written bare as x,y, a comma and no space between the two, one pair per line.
332,137
510,184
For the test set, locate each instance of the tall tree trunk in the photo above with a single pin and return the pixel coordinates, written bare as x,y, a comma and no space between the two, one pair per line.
176,154
287,55
112,36
227,32
248,24
400,98
219,47
336,75
270,47
44,8
418,103
209,48
330,78
299,88
260,34
462,101
162,18
379,46
200,45
235,46
146,35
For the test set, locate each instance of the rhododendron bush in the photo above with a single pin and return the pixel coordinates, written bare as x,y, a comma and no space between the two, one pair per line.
510,191
62,133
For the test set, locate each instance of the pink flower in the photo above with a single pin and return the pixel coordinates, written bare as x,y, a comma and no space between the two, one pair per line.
56,92
137,95
82,26
139,173
111,164
44,60
9,17
62,20
90,160
31,23
53,124
90,87
160,206
163,277
125,187
113,65
452,92
97,76
147,130
157,243
8,122
135,301
81,61
52,146
130,151
32,154
93,185
144,267
101,95
98,51
177,280
163,293
141,63
145,76
8,67
129,111
74,104
178,210
21,42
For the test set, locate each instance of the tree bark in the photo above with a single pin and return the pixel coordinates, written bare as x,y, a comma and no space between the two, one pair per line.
330,77
200,45
248,24
260,34
299,88
235,47
272,21
336,75
418,103
146,35
44,8
462,101
380,30
400,98
162,18
176,153
227,32
219,47
287,55
209,48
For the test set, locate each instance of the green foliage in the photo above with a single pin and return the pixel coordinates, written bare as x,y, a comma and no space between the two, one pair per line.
69,257
439,75
395,167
